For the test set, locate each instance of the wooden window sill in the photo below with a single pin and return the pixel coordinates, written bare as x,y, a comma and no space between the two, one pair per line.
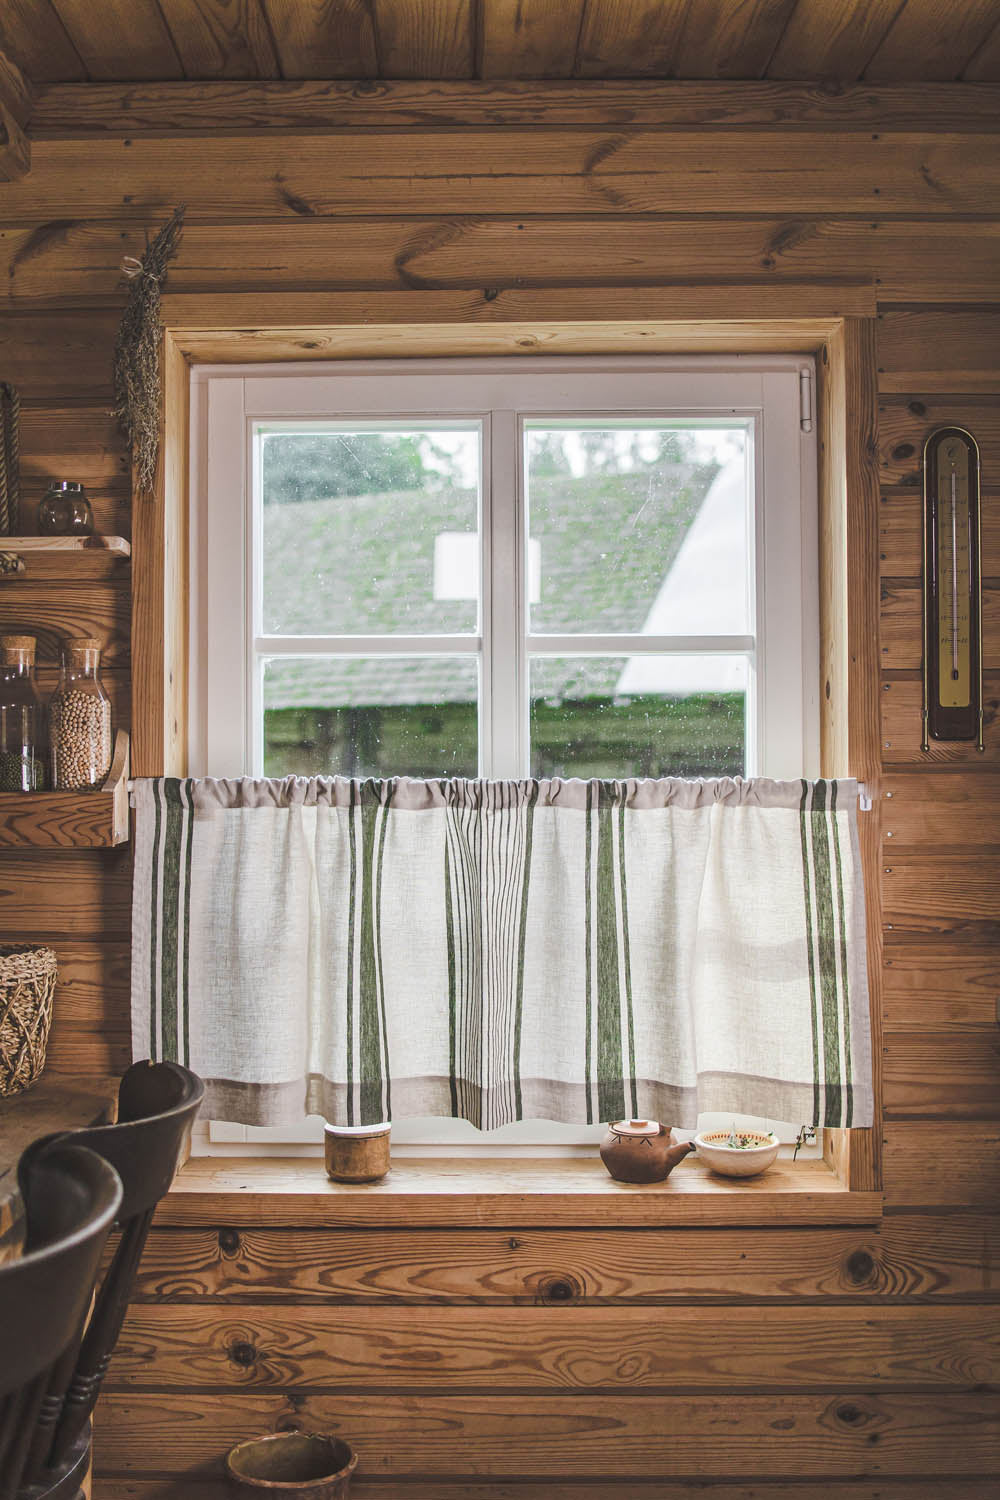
462,1192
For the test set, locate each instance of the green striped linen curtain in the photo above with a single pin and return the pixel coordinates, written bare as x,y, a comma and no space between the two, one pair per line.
562,950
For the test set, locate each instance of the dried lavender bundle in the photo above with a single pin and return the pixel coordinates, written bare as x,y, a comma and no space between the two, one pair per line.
137,352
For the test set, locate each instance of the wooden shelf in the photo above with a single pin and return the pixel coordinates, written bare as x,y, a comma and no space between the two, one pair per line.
41,544
65,556
70,820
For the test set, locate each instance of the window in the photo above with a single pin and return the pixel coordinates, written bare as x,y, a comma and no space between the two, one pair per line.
506,568
549,567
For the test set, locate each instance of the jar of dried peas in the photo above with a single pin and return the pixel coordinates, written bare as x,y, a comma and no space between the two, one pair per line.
80,720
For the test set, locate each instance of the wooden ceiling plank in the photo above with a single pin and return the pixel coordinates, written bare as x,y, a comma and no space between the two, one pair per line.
15,103
932,39
836,40
323,38
120,39
421,40
984,66
731,38
32,34
833,46
75,110
530,38
630,38
221,38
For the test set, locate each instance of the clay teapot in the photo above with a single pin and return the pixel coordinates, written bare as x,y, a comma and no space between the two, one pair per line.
641,1151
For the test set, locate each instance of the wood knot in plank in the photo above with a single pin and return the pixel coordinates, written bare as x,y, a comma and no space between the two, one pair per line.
294,201
559,1290
860,1267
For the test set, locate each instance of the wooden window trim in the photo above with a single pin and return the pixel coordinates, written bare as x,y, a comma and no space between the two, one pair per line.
220,328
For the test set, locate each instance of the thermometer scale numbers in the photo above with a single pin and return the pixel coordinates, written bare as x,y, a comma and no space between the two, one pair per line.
952,643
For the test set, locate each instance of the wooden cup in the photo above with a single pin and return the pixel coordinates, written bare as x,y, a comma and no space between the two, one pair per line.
302,1465
356,1153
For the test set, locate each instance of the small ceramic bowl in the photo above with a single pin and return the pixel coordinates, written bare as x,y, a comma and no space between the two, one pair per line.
737,1161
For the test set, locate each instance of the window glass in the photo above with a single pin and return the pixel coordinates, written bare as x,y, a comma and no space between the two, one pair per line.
371,716
351,530
619,716
639,528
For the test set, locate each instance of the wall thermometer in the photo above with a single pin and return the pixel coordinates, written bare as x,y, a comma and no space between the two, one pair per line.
953,645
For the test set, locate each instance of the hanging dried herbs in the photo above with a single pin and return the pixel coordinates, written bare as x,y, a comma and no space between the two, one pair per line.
137,352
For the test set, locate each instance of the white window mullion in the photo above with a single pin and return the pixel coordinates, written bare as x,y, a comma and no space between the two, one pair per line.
505,754
639,645
367,645
787,550
227,531
485,641
254,667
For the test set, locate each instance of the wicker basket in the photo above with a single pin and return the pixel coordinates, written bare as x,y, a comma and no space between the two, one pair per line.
27,985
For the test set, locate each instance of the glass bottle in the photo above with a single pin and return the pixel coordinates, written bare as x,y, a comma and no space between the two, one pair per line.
22,752
80,720
64,510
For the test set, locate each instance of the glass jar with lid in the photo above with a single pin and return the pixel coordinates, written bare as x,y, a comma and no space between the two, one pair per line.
80,719
64,510
22,752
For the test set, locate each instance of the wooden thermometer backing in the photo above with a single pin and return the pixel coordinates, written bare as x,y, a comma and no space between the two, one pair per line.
953,644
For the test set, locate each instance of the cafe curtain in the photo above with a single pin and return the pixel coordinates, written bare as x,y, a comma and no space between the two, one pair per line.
504,950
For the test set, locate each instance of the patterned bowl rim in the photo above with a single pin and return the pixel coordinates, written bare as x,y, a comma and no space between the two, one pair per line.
718,1141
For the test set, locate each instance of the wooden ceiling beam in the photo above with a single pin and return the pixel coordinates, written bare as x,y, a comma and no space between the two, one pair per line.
100,109
15,108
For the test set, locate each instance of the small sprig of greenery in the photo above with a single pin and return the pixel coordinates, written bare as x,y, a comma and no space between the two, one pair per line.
748,1141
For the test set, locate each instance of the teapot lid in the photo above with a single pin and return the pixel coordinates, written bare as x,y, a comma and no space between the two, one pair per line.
635,1127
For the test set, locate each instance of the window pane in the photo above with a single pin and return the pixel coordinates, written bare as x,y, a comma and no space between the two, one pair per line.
641,528
370,532
614,717
371,716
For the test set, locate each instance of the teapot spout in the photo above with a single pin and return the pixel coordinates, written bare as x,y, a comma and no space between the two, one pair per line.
677,1154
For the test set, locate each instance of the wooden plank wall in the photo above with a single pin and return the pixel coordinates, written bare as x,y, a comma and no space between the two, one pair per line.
618,1363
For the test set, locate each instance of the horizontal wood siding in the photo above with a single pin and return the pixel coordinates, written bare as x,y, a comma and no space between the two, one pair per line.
890,1261
561,1436
609,1348
373,1488
536,171
572,1360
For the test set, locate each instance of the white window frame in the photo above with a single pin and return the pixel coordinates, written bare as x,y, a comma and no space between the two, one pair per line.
224,711
226,721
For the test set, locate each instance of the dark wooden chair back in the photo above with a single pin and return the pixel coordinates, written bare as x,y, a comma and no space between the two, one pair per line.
71,1197
157,1104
